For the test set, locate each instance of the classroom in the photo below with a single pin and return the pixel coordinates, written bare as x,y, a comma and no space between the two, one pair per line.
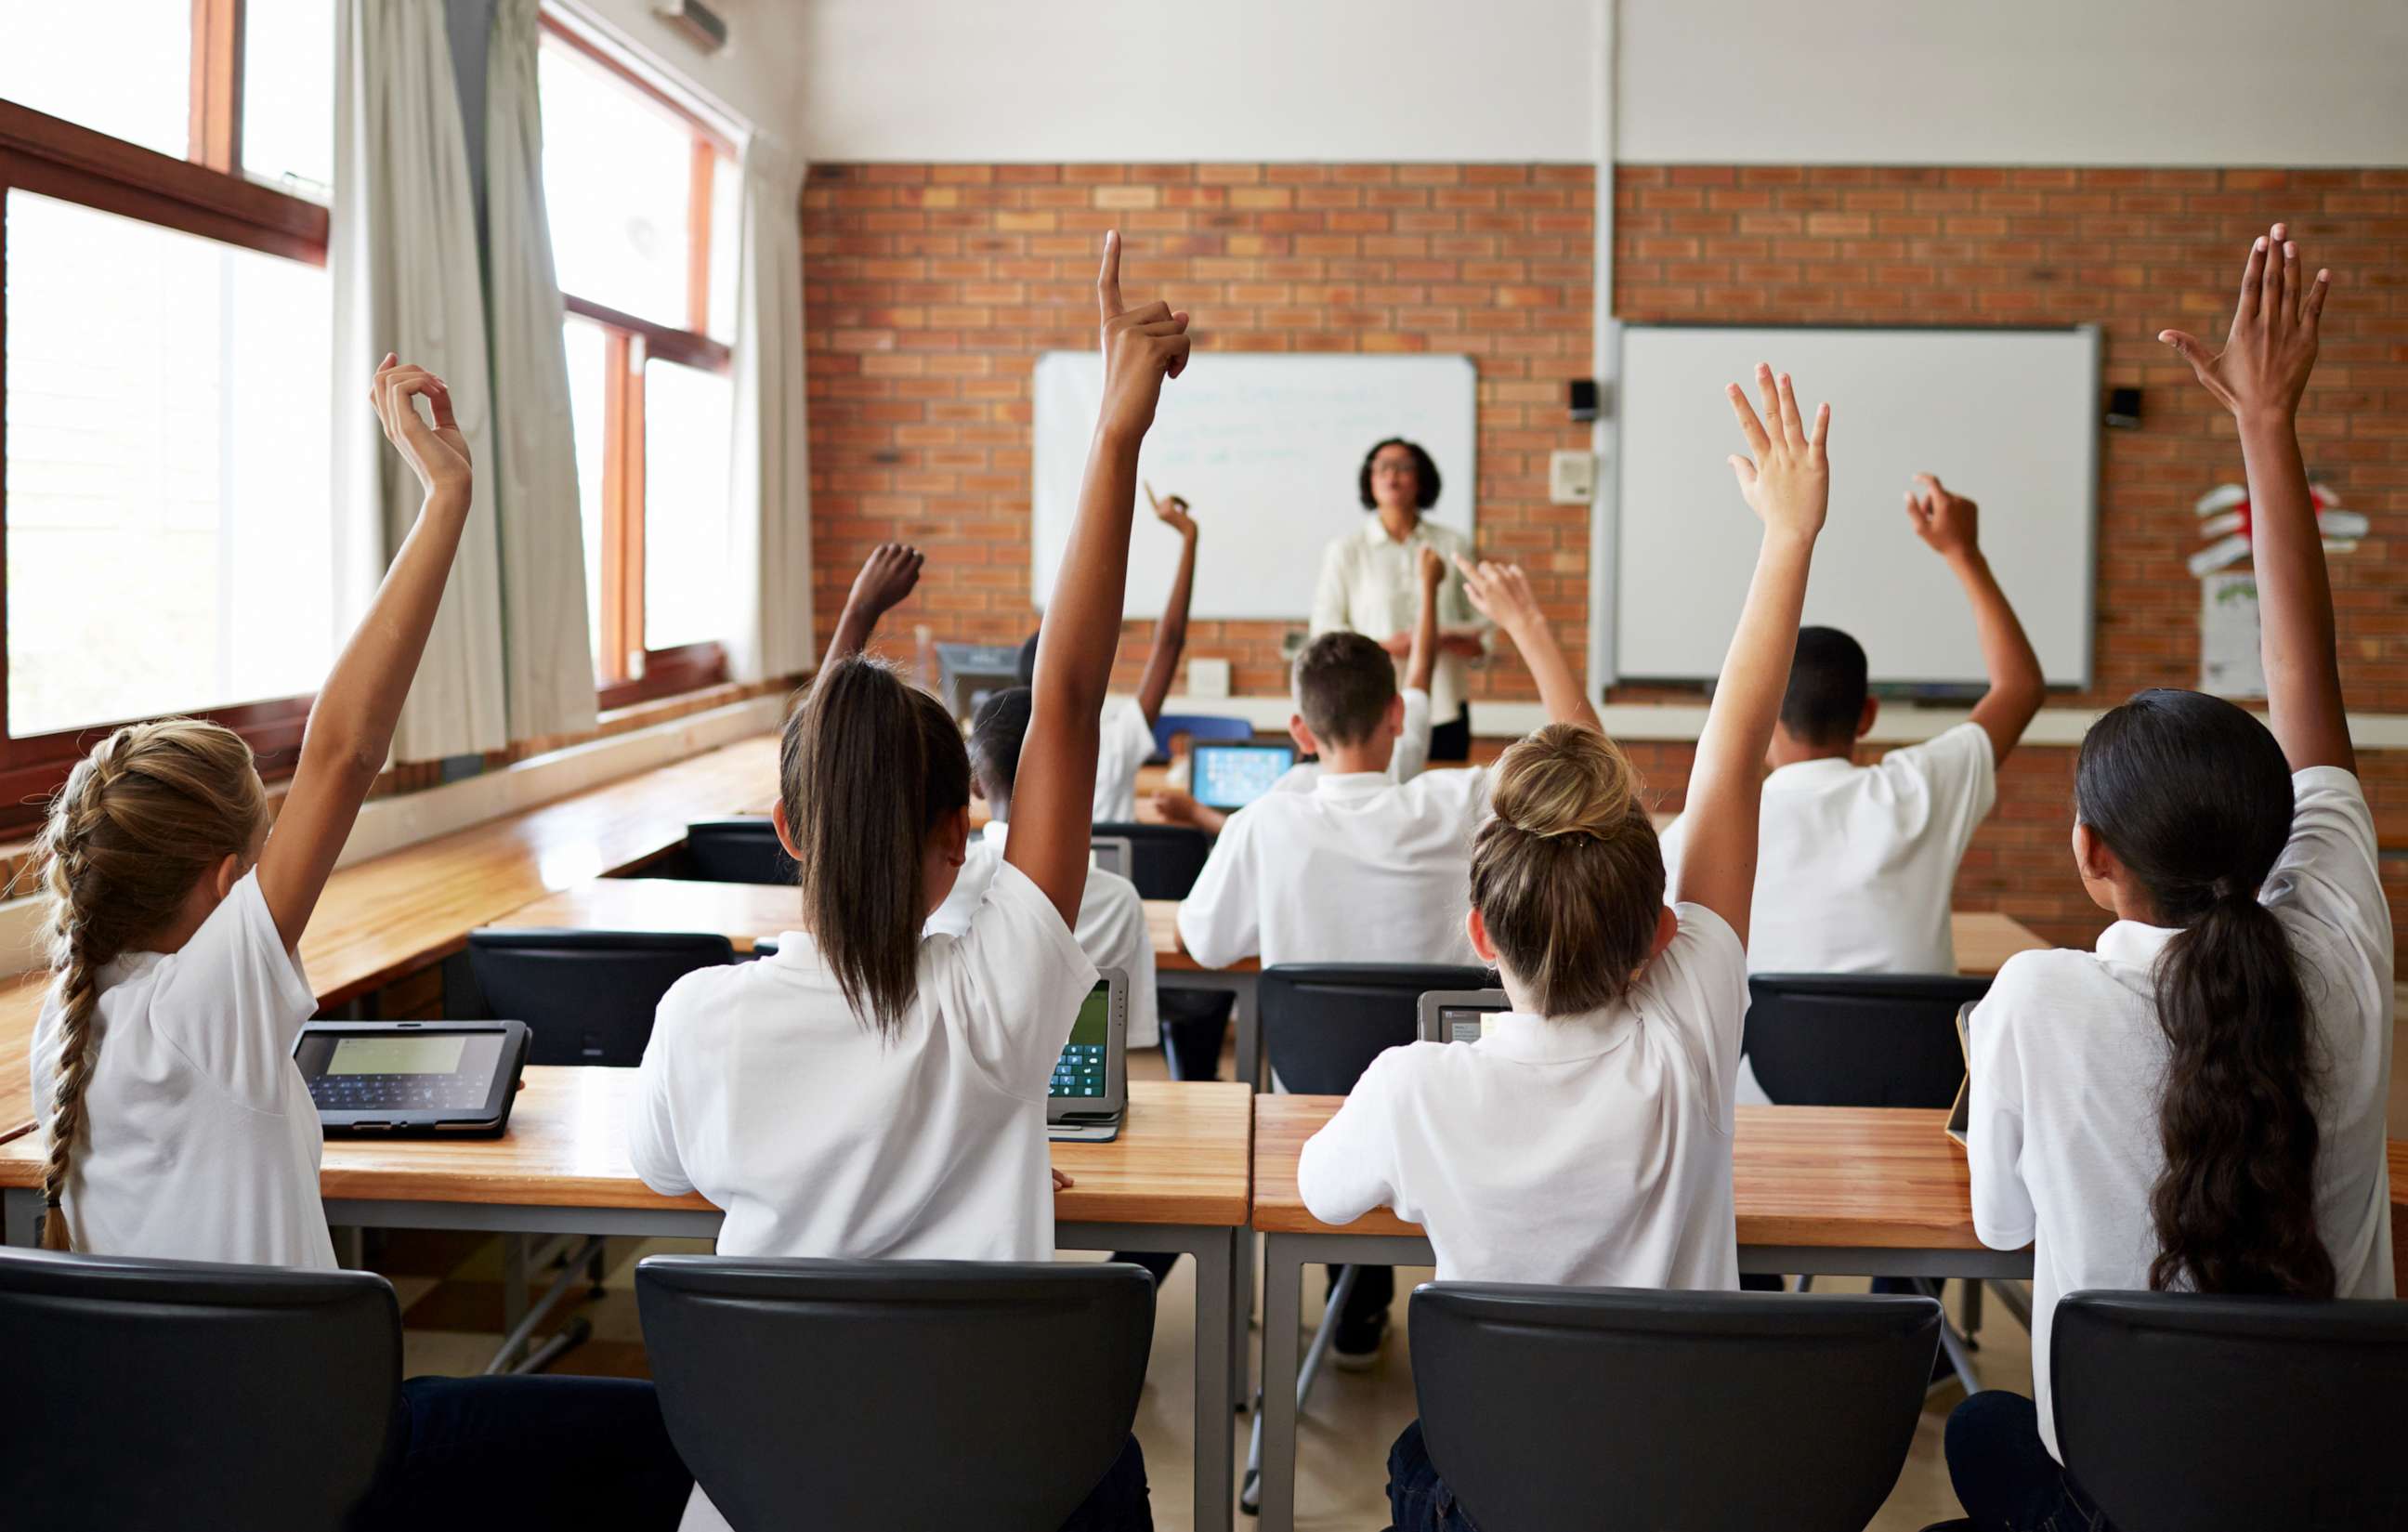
845,763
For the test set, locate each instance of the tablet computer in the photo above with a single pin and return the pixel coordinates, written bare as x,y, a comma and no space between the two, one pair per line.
1090,1089
1231,776
412,1077
1960,1116
1459,1015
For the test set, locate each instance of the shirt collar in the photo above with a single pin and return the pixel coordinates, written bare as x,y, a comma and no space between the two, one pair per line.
1351,784
2132,944
1542,1039
1806,773
1375,534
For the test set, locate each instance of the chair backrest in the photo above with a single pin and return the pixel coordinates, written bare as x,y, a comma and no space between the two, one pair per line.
587,996
1165,858
1552,1408
1325,1023
177,1394
1198,726
1858,1039
2213,1414
898,1394
1112,854
738,850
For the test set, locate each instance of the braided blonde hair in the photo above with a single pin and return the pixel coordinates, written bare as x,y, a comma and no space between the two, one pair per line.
141,818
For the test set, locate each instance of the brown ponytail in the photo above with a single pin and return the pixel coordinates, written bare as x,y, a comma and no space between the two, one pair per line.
2194,798
1568,876
141,818
867,768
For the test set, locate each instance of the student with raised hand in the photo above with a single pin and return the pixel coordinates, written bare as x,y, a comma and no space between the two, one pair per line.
177,1125
1857,864
1125,739
867,1093
1585,1139
1410,753
2198,1105
888,575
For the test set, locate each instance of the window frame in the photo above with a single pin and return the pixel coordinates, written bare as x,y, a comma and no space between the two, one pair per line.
629,670
203,194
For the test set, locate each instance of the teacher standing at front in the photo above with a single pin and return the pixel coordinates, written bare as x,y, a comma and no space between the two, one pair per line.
1366,585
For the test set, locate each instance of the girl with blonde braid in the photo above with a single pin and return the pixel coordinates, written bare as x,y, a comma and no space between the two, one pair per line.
175,1123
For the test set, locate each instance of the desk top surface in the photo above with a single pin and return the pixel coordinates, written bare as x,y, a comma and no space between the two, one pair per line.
1182,1157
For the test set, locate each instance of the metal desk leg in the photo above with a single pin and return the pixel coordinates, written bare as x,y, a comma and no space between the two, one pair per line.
1241,1319
1282,1321
1216,1442
1249,1021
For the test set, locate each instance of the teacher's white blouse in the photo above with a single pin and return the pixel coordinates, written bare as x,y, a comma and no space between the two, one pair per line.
1368,584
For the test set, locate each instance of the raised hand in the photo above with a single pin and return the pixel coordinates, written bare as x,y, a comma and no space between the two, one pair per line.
1948,524
438,454
1787,484
1501,594
1142,346
1170,509
887,576
2272,347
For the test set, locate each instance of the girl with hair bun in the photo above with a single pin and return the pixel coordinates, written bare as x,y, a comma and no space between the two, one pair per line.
1586,1137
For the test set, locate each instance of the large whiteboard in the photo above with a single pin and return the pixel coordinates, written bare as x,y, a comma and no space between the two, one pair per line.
1266,448
2009,417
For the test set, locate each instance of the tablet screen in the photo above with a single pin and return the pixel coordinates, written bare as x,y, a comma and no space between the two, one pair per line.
436,1055
1463,1024
1234,775
1079,1074
433,1071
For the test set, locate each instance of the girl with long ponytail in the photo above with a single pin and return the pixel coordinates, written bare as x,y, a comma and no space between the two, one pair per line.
2198,1105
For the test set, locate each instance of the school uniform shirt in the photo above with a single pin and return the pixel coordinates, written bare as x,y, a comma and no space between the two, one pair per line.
1855,866
1589,1150
200,1140
1111,928
1411,756
2068,1063
1125,742
1361,869
1370,584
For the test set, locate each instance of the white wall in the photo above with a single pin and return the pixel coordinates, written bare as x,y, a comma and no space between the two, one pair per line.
1042,81
760,77
2307,83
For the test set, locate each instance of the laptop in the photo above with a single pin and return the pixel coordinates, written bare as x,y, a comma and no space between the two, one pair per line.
1459,1015
1229,776
1090,1090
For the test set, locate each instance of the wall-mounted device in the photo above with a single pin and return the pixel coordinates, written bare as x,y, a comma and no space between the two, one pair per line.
700,26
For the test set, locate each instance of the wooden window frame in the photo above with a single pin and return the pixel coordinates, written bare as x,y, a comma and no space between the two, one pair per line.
203,194
630,671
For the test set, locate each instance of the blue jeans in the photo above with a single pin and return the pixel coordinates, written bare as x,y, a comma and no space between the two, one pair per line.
2005,1476
1418,1499
511,1453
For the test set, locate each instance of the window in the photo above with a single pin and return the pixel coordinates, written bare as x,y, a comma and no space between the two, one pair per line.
641,196
165,407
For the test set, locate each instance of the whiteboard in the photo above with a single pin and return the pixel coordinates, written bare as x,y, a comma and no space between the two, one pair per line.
2008,417
1266,447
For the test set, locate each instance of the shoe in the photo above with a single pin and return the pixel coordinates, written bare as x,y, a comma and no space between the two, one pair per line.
1355,1347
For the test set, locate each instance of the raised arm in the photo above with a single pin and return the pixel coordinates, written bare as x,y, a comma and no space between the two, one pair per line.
1787,484
1422,658
1501,594
1051,807
1949,524
2260,375
1171,634
352,723
886,578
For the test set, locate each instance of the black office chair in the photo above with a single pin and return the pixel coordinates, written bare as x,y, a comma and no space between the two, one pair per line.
177,1394
1554,1407
587,996
1858,1039
1322,1024
2221,1414
743,850
902,1393
1168,858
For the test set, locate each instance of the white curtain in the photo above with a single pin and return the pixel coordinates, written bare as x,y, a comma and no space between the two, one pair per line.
402,247
547,655
770,533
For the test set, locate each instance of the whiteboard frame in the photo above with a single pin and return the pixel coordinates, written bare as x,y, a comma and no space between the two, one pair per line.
1605,523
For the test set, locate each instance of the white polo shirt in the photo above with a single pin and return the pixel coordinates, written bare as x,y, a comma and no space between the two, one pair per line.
200,1140
1589,1150
1112,926
2067,1061
1855,866
1410,759
1370,584
1361,869
1125,742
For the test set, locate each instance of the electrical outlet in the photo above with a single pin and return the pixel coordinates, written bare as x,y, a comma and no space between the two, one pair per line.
1208,677
1572,478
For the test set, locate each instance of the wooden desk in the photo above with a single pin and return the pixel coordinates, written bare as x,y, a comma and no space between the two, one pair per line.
744,914
1985,939
1178,1178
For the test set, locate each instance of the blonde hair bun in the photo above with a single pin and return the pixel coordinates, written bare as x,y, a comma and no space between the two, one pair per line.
1563,780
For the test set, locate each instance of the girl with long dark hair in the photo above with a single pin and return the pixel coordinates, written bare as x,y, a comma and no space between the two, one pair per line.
2198,1105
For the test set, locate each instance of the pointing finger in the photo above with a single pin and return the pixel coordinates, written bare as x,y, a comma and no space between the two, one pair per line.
1108,280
